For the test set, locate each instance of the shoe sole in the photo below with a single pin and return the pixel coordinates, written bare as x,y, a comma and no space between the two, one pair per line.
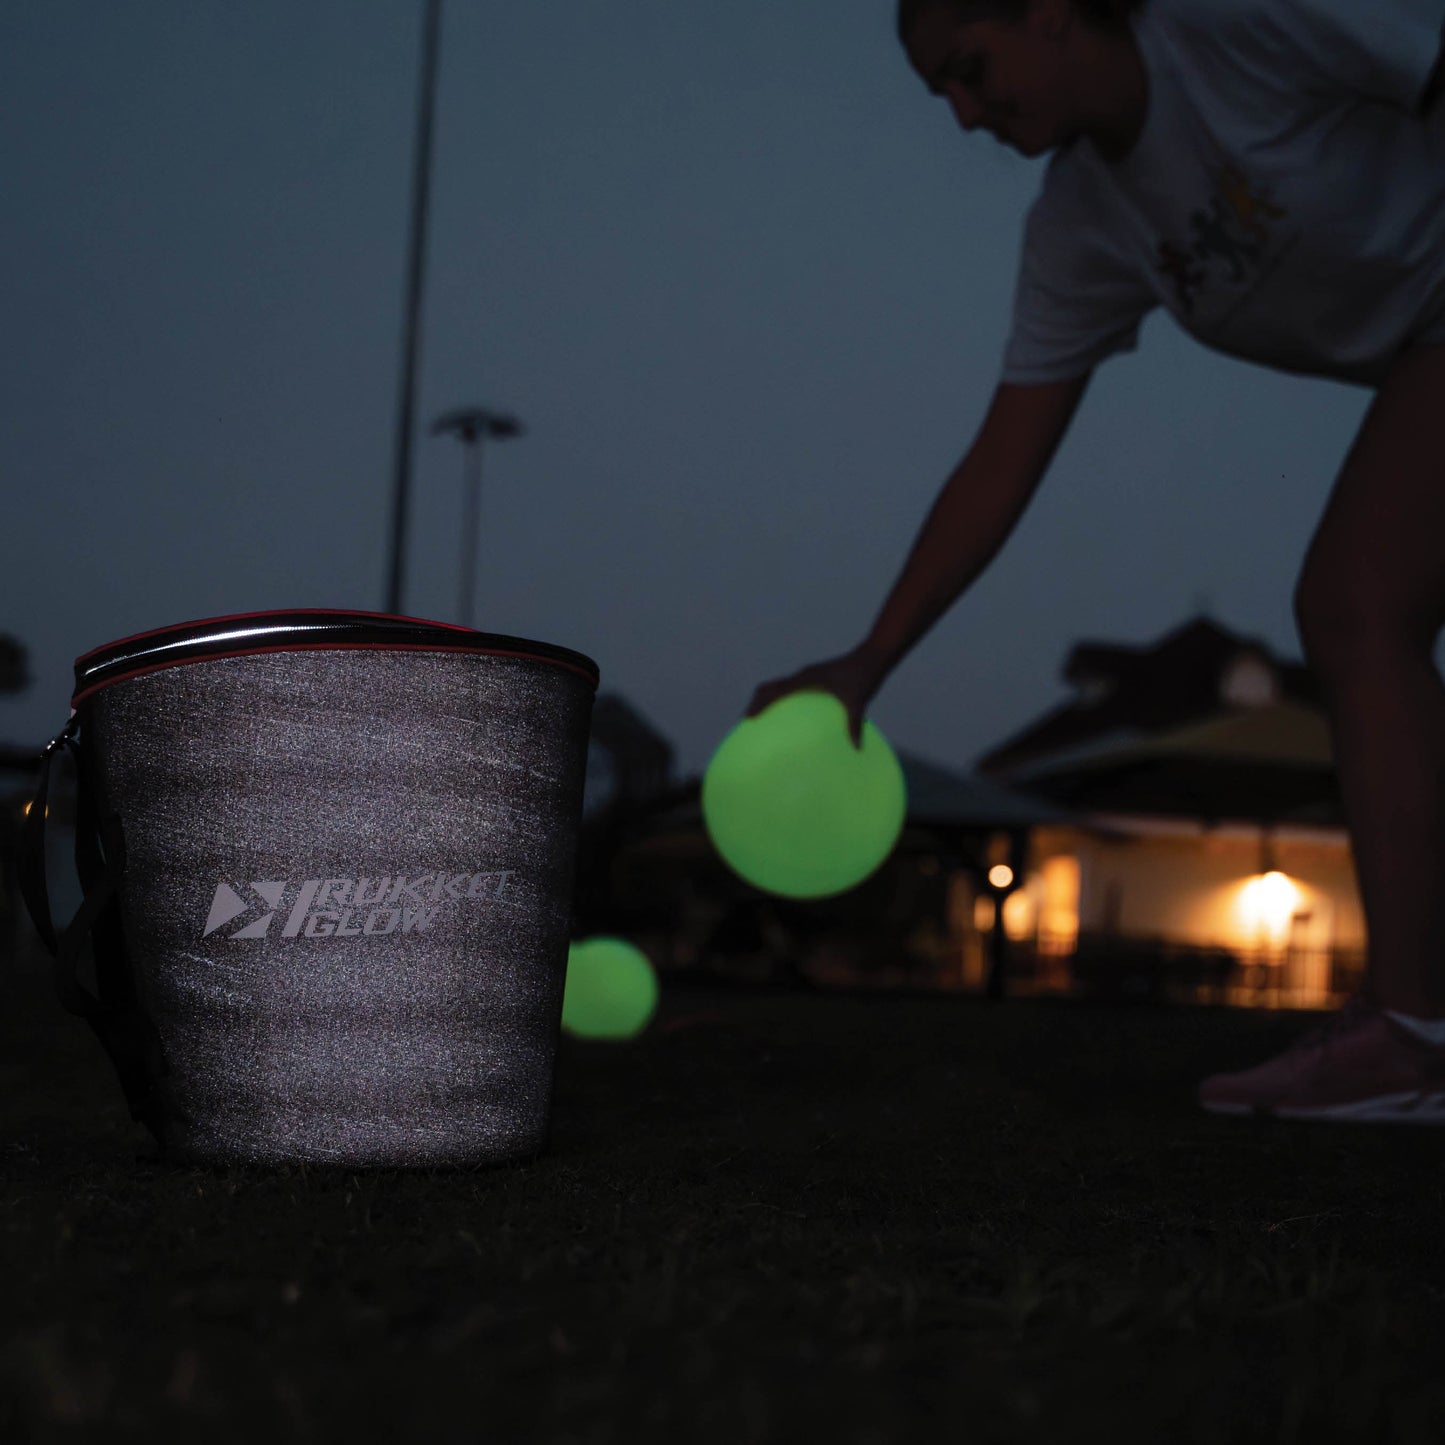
1410,1108
1235,1109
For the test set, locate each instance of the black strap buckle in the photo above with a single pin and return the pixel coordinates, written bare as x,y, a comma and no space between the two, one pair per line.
112,1009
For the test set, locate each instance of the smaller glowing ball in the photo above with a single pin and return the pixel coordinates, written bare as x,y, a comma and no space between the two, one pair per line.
794,808
611,990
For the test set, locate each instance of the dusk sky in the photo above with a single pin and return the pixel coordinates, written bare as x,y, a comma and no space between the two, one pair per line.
740,276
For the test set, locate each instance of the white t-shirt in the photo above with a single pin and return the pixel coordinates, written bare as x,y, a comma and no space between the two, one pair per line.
1285,200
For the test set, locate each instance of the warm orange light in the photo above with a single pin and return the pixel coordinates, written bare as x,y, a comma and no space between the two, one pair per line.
1267,904
1000,875
1059,910
1018,915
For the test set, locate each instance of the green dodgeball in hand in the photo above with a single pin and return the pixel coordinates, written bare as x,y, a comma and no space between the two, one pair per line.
794,808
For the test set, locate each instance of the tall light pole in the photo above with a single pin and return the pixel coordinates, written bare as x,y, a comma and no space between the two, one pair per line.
471,424
406,403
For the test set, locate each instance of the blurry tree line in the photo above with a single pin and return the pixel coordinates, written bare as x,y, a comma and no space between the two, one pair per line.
14,664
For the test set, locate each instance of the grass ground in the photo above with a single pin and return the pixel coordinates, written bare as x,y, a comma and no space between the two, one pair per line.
772,1218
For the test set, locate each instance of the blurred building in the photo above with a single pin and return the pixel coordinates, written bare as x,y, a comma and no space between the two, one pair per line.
1205,762
19,768
1173,831
628,761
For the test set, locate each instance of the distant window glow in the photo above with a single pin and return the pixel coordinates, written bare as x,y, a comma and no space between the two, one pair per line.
1059,911
1018,915
1267,905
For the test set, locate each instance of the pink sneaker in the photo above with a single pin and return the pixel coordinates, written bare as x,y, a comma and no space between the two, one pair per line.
1359,1065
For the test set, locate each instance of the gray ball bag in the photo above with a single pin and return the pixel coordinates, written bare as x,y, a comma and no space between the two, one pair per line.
327,861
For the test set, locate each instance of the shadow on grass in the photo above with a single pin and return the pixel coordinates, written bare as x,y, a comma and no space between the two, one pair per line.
772,1217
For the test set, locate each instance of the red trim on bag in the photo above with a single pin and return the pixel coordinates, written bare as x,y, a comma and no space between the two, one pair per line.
274,612
80,697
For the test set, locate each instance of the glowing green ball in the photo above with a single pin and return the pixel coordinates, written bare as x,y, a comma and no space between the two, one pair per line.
611,990
794,808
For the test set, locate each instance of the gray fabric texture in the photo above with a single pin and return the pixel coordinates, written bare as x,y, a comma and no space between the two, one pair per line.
347,897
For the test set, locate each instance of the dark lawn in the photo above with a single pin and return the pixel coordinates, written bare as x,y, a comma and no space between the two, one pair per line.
773,1218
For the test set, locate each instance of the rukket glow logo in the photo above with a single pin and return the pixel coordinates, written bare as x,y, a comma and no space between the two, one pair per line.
349,907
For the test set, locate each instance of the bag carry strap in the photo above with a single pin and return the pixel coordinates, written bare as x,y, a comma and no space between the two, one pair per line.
112,1010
